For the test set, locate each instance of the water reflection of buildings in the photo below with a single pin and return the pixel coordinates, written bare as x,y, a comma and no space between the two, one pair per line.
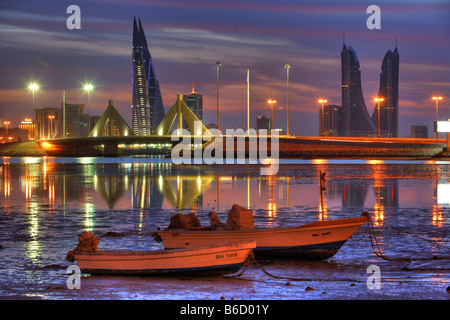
92,187
356,194
182,192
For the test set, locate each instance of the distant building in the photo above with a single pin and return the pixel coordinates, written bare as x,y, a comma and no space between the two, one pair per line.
332,120
262,122
194,101
389,92
147,106
211,126
12,134
73,113
29,126
356,121
48,123
81,125
419,131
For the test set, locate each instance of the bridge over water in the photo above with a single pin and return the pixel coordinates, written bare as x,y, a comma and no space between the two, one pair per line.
113,137
289,147
108,145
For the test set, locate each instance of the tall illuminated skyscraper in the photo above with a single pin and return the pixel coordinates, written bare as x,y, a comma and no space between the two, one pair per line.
356,120
147,105
389,92
194,101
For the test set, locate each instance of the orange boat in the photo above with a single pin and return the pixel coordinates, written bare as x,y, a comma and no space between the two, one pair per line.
318,240
217,259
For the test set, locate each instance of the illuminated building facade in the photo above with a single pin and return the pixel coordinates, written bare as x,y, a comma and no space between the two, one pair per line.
194,101
147,105
28,125
389,92
356,121
48,123
332,120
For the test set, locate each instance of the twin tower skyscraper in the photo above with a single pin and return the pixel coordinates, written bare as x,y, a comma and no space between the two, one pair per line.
355,120
147,104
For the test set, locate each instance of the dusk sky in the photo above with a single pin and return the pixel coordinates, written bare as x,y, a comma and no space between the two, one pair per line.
186,38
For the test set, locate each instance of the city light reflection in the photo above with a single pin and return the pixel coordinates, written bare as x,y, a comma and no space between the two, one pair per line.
152,187
89,210
437,219
6,180
34,245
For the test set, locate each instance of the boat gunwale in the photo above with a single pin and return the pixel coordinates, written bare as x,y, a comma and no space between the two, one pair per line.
168,254
339,223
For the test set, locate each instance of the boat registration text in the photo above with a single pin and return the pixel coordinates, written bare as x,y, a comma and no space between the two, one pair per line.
226,255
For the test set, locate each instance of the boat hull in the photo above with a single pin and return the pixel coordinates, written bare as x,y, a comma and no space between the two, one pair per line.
319,240
214,259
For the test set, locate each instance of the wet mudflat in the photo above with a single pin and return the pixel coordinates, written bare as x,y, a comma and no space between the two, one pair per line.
44,208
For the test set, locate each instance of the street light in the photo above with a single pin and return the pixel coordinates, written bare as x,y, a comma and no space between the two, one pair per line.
88,88
378,100
287,66
322,101
218,67
437,106
51,117
7,123
271,112
33,87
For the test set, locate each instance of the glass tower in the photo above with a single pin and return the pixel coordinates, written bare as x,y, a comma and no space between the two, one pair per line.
355,118
389,92
147,105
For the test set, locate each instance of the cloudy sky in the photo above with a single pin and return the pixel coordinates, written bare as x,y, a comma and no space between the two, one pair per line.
186,38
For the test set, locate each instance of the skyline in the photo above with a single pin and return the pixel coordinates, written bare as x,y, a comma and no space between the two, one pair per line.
186,39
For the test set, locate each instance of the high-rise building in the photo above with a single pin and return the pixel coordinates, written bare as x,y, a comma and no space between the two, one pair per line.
356,120
262,122
419,131
147,105
389,92
73,113
48,123
194,101
81,124
332,120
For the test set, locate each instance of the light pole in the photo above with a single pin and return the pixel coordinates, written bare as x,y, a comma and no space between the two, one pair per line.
437,106
33,87
271,102
51,117
7,123
322,101
218,67
287,66
378,100
88,88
